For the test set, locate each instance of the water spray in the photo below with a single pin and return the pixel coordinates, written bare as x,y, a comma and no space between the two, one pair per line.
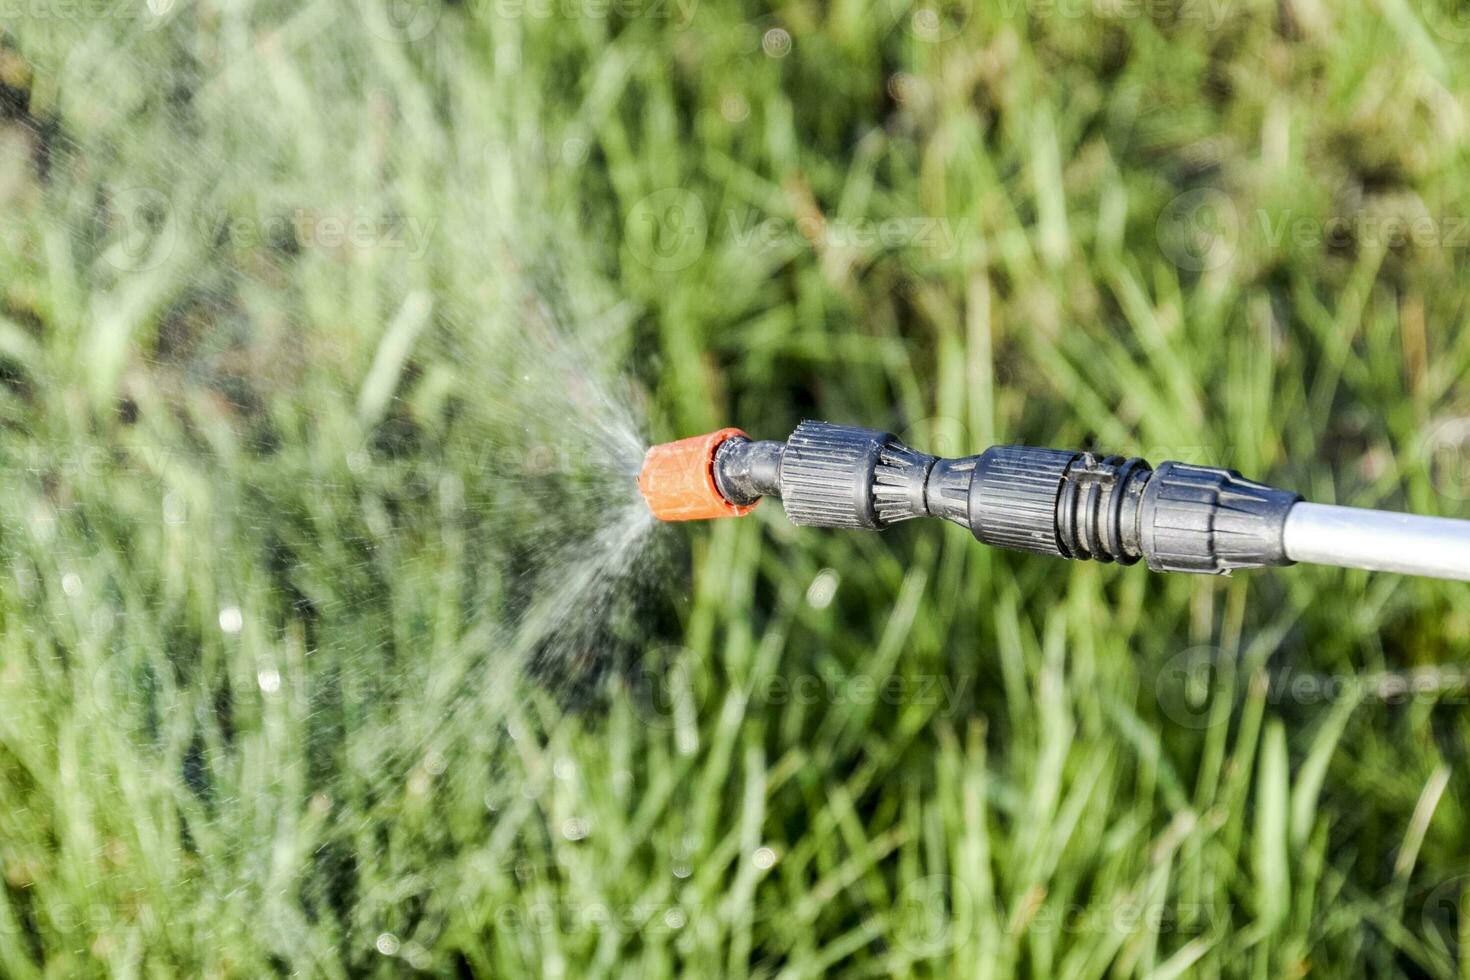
1176,517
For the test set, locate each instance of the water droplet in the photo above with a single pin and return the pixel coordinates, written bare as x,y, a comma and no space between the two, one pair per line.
71,583
564,769
435,763
269,679
231,620
387,944
574,828
674,918
764,857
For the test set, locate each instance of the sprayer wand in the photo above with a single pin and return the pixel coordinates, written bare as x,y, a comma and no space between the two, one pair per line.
1177,517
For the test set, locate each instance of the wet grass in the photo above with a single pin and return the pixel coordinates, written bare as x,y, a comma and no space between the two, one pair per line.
315,322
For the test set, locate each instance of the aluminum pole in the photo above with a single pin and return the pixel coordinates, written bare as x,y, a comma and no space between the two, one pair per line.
1378,540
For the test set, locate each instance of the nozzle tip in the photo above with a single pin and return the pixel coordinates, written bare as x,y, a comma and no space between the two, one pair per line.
678,479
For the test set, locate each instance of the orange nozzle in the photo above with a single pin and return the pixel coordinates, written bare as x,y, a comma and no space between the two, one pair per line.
678,480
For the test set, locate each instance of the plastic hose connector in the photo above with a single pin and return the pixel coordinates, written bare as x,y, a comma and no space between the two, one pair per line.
1208,520
1013,498
1178,518
827,475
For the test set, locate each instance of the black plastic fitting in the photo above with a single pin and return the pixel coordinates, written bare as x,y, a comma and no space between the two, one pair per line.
1177,518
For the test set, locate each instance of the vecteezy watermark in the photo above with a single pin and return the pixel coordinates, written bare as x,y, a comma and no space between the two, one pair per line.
937,912
679,13
568,917
1450,19
940,20
662,689
1444,914
146,14
1210,14
407,21
1199,229
403,21
1202,229
1217,455
667,230
939,236
932,914
895,690
665,690
573,150
1189,684
313,228
84,463
940,435
1447,451
1365,226
1125,913
1186,685
136,229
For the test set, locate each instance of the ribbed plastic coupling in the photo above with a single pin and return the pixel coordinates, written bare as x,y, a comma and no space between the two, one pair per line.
1207,520
1013,497
827,475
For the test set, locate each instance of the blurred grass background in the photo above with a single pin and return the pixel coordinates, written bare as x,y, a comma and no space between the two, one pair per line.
300,301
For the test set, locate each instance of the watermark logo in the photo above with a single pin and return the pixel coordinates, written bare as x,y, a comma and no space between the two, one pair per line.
147,14
357,229
667,230
1450,19
1186,685
1198,230
1445,912
663,692
572,151
677,13
404,21
1211,15
140,229
940,237
930,913
941,435
1189,684
936,21
1447,449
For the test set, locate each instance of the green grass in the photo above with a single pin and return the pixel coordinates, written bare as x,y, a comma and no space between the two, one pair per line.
271,488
